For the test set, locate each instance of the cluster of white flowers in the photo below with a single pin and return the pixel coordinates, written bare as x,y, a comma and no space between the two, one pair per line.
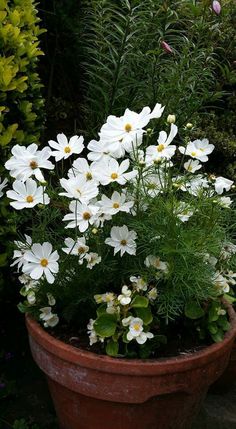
116,173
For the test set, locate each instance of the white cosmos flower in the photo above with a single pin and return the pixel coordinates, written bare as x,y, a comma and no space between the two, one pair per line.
20,252
155,262
41,260
125,297
27,194
79,188
183,211
110,170
225,202
138,283
77,248
154,184
129,126
64,148
192,165
122,240
198,149
118,148
81,167
92,259
98,150
2,186
28,161
50,319
222,184
81,216
196,185
163,148
117,203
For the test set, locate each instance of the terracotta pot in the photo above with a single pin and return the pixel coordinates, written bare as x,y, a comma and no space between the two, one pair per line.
228,378
99,392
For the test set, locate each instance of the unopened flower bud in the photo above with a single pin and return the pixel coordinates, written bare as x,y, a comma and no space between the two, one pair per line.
171,119
216,7
166,47
189,126
94,231
149,131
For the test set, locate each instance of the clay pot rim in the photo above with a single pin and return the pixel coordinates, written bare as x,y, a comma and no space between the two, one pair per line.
147,367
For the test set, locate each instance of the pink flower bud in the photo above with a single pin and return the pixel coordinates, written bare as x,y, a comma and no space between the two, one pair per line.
216,7
166,47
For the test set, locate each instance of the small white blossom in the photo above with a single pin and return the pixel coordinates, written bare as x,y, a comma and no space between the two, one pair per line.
154,184
192,165
20,252
28,282
231,276
228,250
41,260
51,299
136,330
183,211
122,240
77,248
31,298
80,188
92,259
93,337
50,319
222,184
196,185
64,148
115,204
3,184
163,149
27,195
198,149
152,294
153,261
107,297
221,283
139,283
28,161
81,216
225,202
125,297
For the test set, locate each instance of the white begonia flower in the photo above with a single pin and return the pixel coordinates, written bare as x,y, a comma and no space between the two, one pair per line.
2,186
99,151
107,297
231,276
81,167
27,195
183,211
125,297
152,294
93,337
19,254
171,119
221,283
31,298
122,240
64,148
51,299
192,165
117,203
130,126
92,259
163,148
110,171
136,330
139,283
222,184
28,161
77,248
79,188
28,282
41,260
154,261
225,202
126,321
81,216
50,319
198,149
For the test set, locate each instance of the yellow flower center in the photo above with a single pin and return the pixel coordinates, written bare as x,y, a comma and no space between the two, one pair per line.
193,153
89,176
128,128
33,165
190,168
160,147
67,149
116,205
29,199
81,250
114,176
44,262
136,327
86,215
123,242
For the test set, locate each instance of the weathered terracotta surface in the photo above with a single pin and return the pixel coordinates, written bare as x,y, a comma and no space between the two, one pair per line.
99,392
228,378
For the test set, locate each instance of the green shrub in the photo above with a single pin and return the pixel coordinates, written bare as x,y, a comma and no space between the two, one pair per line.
21,102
